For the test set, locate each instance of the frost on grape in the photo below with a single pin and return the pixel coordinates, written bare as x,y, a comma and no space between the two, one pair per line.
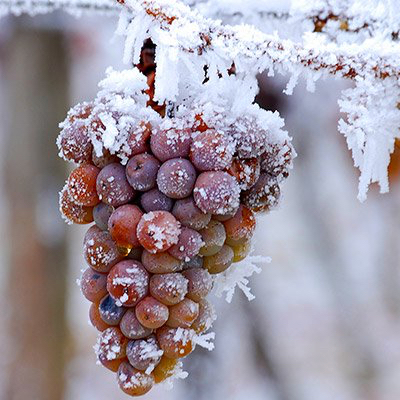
237,276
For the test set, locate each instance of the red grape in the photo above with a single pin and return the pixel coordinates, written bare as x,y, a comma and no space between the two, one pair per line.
151,313
113,187
154,200
141,172
206,317
128,282
82,185
137,139
200,283
93,285
176,178
188,214
160,263
132,381
143,354
100,251
211,151
72,212
216,192
95,318
169,288
188,246
111,345
122,225
131,327
240,228
183,314
264,195
170,143
175,342
104,159
246,171
157,231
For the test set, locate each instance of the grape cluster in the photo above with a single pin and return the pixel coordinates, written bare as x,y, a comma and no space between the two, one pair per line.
173,203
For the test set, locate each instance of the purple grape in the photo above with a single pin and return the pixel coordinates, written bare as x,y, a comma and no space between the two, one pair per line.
200,283
216,193
188,214
176,178
141,172
110,313
211,151
113,187
195,262
154,200
132,328
101,215
170,143
143,353
188,246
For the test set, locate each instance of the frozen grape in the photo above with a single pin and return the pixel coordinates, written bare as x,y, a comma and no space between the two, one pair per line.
183,314
104,159
211,151
122,225
74,142
170,143
80,111
132,328
176,178
264,195
241,251
72,212
93,285
141,172
151,313
240,228
160,263
95,318
213,236
216,192
175,342
188,246
110,312
111,346
154,200
128,282
113,187
246,171
219,262
199,124
195,262
112,365
157,231
143,354
101,215
132,381
200,283
82,185
225,217
188,214
100,251
277,160
137,139
169,288
206,317
165,369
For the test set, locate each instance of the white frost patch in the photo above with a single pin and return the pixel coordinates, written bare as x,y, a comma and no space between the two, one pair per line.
237,276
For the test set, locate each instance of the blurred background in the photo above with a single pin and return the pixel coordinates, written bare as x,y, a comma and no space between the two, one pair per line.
325,324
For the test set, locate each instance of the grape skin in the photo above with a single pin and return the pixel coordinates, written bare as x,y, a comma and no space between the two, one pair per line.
128,282
101,214
95,318
183,314
143,353
93,285
72,212
219,262
122,225
132,381
82,185
151,313
176,178
141,172
132,328
160,263
169,288
188,246
110,312
174,344
240,227
188,214
213,236
113,187
200,283
170,143
154,200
